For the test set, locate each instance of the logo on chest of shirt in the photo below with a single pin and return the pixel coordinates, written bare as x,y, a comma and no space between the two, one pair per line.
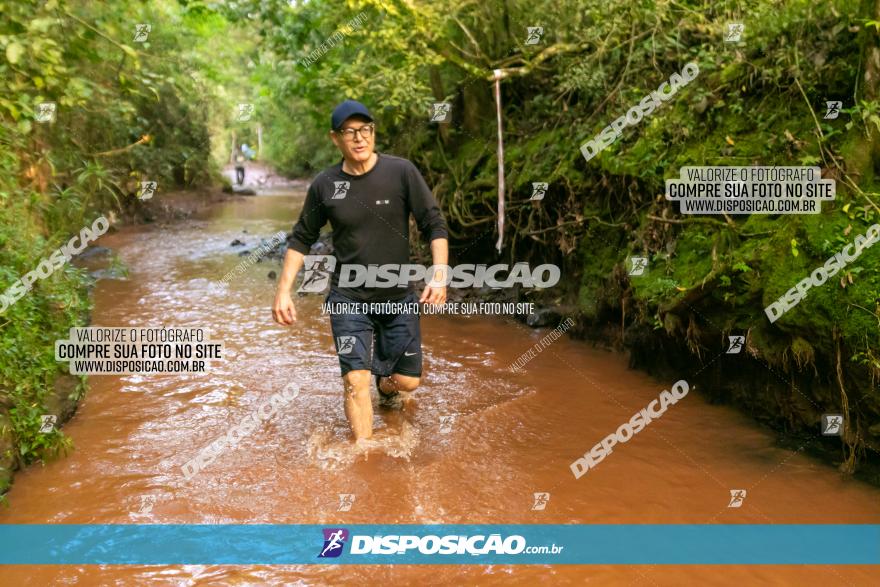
318,270
341,189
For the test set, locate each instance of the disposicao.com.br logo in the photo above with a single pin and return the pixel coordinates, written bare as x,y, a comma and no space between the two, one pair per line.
452,544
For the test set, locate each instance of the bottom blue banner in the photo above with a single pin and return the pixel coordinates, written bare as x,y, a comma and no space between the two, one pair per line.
228,544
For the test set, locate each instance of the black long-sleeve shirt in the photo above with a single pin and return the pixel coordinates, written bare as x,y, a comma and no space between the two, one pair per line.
369,215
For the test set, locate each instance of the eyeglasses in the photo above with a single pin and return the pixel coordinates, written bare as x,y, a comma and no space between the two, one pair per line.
366,131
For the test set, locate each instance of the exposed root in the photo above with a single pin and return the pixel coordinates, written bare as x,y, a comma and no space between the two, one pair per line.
693,337
850,437
803,354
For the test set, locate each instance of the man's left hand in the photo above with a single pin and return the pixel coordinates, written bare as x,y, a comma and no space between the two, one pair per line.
433,295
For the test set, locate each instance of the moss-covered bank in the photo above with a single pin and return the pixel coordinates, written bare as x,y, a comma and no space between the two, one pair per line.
760,101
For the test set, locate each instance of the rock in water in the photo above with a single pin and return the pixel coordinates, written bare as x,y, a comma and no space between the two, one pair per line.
543,317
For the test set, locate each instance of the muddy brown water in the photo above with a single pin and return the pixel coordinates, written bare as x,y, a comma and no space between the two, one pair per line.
512,436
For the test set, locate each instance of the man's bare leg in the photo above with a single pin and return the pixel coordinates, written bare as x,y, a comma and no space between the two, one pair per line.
358,403
397,382
394,394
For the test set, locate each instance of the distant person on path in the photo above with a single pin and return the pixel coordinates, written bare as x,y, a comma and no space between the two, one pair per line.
239,166
367,197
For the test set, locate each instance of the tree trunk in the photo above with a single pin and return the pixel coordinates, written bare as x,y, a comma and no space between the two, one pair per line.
871,83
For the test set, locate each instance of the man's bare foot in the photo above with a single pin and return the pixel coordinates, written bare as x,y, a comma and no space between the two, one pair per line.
391,400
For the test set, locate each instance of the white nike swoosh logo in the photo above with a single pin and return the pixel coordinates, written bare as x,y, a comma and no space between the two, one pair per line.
409,354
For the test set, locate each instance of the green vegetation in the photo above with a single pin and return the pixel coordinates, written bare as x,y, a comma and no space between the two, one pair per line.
125,112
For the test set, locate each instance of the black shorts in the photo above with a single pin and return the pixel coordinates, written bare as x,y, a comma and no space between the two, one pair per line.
381,342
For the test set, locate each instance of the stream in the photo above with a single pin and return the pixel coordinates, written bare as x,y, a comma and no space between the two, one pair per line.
509,436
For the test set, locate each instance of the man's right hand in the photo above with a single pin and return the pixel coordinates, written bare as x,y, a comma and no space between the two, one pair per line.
282,310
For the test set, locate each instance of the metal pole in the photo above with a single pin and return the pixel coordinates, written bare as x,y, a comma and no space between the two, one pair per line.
500,162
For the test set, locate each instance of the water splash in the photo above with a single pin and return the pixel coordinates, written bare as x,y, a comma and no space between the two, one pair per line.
330,452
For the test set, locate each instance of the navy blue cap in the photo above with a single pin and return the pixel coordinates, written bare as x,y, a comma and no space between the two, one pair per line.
346,110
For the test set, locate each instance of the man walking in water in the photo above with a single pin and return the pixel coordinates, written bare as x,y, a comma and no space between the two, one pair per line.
368,198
